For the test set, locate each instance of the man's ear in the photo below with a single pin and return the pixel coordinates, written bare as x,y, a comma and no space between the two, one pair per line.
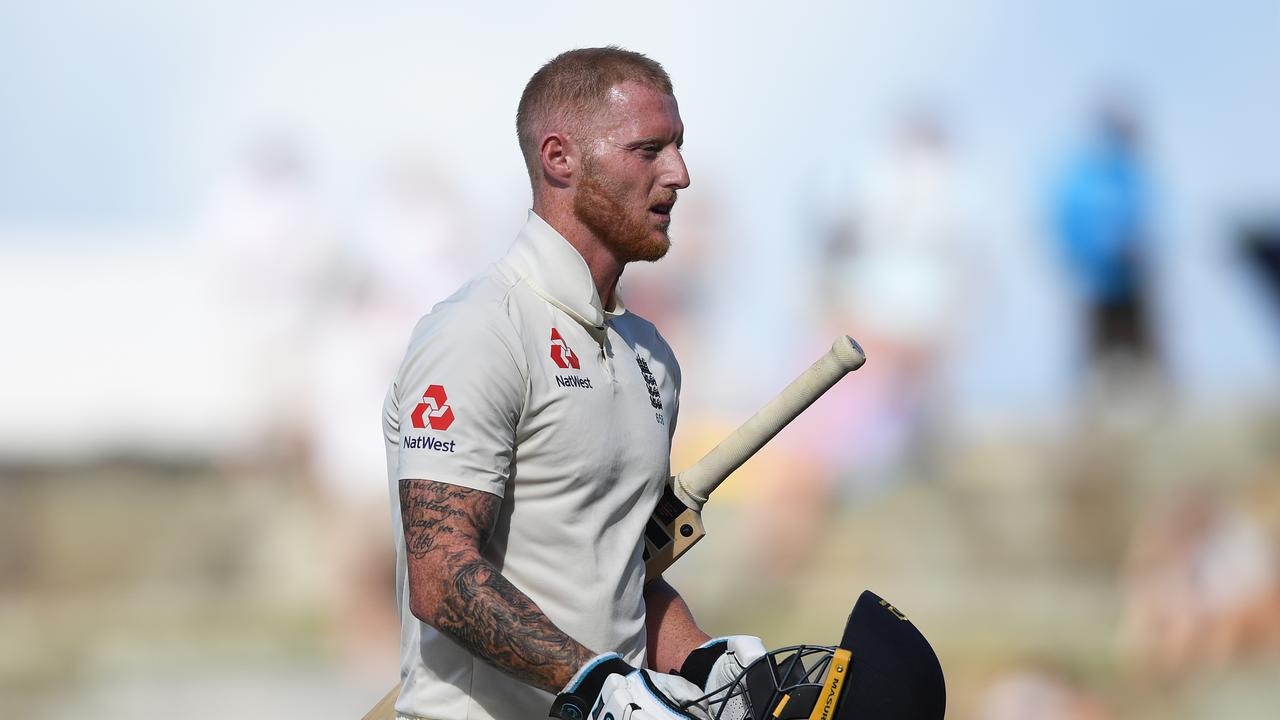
559,159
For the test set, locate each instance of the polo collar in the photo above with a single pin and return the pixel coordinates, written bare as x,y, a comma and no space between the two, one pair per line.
555,270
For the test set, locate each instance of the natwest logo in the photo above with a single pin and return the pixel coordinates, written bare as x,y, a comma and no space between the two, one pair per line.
435,406
561,354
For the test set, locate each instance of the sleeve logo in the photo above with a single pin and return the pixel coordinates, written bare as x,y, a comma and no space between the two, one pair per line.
435,408
563,357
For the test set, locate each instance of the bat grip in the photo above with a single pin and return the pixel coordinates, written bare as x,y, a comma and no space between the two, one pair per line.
696,483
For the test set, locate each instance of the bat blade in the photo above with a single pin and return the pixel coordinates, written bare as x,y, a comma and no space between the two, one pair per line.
676,523
386,707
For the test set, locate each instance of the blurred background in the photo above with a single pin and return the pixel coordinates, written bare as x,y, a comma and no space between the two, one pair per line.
1055,228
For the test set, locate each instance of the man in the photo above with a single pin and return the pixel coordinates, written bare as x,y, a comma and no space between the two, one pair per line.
1103,225
528,434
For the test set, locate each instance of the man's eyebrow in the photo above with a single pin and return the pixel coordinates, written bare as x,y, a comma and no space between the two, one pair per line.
654,140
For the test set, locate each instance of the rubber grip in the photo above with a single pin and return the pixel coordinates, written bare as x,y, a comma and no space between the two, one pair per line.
695,484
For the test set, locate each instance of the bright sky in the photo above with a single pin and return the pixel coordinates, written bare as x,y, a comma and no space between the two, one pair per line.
122,111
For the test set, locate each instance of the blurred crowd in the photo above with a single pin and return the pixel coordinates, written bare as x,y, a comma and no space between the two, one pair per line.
1187,558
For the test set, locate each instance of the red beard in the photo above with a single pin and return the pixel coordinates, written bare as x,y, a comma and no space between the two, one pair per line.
630,236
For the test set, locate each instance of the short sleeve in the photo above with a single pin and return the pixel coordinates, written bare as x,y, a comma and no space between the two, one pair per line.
460,393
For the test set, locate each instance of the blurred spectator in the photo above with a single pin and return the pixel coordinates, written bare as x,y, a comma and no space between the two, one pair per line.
892,278
271,248
1101,209
1203,588
1038,693
1260,246
407,254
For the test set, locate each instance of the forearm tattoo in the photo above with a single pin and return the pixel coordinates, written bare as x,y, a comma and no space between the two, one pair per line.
445,527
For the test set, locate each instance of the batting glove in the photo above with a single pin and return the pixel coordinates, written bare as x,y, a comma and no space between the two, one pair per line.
719,662
609,687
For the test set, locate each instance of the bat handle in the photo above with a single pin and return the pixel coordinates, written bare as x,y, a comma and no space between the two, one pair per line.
696,483
848,354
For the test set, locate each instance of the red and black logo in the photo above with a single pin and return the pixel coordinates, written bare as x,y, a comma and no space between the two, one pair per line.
435,406
563,357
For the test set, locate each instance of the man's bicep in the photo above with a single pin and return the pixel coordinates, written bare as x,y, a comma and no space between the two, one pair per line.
459,397
439,517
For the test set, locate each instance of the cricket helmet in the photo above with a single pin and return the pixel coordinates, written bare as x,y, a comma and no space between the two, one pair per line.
883,669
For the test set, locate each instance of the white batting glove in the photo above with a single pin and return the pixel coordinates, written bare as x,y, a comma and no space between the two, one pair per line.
609,687
719,662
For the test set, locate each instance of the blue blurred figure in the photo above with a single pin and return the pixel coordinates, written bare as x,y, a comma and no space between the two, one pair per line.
1101,223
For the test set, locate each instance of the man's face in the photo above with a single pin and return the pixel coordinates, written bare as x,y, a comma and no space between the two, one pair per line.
631,170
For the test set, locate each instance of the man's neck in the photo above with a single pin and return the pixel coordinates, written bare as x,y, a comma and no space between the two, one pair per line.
603,264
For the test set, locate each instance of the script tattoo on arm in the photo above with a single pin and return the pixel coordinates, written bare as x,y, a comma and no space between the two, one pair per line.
453,588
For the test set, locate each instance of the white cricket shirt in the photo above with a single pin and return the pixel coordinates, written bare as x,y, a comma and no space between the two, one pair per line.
522,385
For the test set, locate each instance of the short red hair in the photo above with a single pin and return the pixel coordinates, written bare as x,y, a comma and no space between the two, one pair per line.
574,86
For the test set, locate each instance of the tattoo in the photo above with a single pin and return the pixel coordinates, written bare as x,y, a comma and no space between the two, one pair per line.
445,527
494,620
429,510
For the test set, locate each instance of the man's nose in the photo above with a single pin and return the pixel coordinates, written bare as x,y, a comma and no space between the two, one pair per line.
675,174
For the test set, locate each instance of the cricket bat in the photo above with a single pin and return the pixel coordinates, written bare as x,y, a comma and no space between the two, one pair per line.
676,523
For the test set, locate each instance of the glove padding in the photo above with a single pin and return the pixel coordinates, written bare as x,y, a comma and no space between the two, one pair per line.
719,662
608,686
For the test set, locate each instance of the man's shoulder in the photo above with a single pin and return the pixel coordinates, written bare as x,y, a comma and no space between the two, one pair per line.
646,333
487,292
467,340
639,324
482,303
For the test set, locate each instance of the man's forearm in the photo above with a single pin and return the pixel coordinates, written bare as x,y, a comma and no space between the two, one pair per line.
671,629
482,611
454,589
